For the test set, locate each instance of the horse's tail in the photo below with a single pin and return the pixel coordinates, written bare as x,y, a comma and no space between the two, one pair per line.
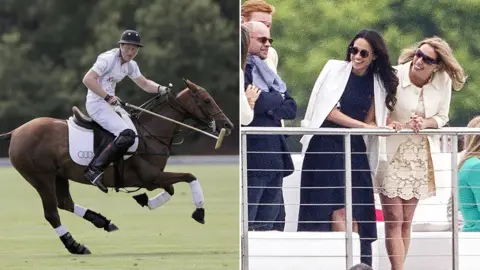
6,136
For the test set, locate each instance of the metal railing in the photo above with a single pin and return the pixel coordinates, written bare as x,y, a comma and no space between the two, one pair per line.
452,132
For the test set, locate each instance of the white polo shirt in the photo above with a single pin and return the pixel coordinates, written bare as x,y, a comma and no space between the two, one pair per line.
108,66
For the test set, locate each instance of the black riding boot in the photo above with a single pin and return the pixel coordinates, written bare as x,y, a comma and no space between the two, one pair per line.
95,170
115,150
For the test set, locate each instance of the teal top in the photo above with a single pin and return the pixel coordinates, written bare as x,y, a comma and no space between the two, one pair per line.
469,194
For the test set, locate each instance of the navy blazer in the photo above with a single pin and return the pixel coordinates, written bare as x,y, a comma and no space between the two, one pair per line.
270,108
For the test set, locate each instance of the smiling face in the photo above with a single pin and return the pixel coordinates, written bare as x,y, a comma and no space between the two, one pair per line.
425,62
260,40
361,56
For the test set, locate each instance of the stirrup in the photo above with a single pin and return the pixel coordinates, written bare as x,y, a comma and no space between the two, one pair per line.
97,181
98,178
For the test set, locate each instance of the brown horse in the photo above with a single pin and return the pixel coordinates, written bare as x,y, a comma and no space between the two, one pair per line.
39,151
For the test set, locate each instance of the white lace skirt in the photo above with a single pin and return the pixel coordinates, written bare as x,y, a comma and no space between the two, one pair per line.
410,172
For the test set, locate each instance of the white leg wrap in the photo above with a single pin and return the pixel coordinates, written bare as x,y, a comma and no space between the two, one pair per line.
197,193
159,200
61,230
79,210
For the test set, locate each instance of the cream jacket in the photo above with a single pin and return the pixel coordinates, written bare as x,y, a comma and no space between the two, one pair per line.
436,94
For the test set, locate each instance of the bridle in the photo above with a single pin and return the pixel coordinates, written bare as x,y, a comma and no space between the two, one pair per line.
208,121
205,122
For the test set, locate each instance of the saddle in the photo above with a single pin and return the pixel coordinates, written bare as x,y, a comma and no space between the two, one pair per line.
101,136
101,139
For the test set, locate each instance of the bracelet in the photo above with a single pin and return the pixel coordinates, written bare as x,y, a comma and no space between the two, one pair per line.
107,97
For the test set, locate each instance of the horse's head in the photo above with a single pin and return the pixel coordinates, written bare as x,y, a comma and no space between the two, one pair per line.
203,108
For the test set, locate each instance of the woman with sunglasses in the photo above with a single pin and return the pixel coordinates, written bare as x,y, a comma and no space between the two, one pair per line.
426,74
355,93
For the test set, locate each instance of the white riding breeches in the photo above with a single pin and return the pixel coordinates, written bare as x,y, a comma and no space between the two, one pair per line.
106,116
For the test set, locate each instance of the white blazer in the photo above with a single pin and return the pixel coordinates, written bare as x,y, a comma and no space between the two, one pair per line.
246,113
325,95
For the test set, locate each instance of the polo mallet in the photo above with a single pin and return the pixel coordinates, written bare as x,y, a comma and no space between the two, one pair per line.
219,138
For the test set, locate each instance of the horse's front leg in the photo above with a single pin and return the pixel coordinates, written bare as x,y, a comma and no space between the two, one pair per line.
152,175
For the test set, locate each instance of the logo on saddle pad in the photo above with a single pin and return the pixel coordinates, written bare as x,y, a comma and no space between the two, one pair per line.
86,154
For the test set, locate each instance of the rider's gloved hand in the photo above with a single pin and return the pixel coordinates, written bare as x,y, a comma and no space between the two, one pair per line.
112,100
164,89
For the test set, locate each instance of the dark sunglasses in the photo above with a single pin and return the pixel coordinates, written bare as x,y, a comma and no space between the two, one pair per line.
355,51
264,40
427,59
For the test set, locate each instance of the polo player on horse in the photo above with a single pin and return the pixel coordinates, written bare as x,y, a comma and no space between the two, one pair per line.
111,67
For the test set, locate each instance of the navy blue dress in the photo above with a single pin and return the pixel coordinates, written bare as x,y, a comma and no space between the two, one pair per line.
355,103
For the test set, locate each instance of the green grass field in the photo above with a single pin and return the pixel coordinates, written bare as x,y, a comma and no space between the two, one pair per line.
164,238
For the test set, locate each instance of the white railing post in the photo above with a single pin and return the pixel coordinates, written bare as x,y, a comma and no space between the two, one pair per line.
348,200
455,263
444,143
244,204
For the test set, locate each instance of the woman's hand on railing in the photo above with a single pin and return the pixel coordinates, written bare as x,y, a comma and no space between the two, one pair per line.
374,126
369,125
395,125
391,126
416,123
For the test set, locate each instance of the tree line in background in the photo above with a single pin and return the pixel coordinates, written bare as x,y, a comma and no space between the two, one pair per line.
47,46
308,33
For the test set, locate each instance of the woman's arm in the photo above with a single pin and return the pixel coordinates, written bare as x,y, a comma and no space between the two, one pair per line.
340,118
441,118
246,113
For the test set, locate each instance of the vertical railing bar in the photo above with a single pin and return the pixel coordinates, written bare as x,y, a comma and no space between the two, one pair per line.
444,145
244,204
348,200
454,159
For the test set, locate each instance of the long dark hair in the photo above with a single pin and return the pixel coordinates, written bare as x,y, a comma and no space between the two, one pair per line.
381,64
244,46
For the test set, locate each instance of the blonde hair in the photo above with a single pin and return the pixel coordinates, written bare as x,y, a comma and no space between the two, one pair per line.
250,6
447,61
471,143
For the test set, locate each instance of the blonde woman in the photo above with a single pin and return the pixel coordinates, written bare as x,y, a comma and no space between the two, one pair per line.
469,180
426,75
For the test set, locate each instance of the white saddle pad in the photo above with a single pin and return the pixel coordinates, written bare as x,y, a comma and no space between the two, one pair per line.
80,142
